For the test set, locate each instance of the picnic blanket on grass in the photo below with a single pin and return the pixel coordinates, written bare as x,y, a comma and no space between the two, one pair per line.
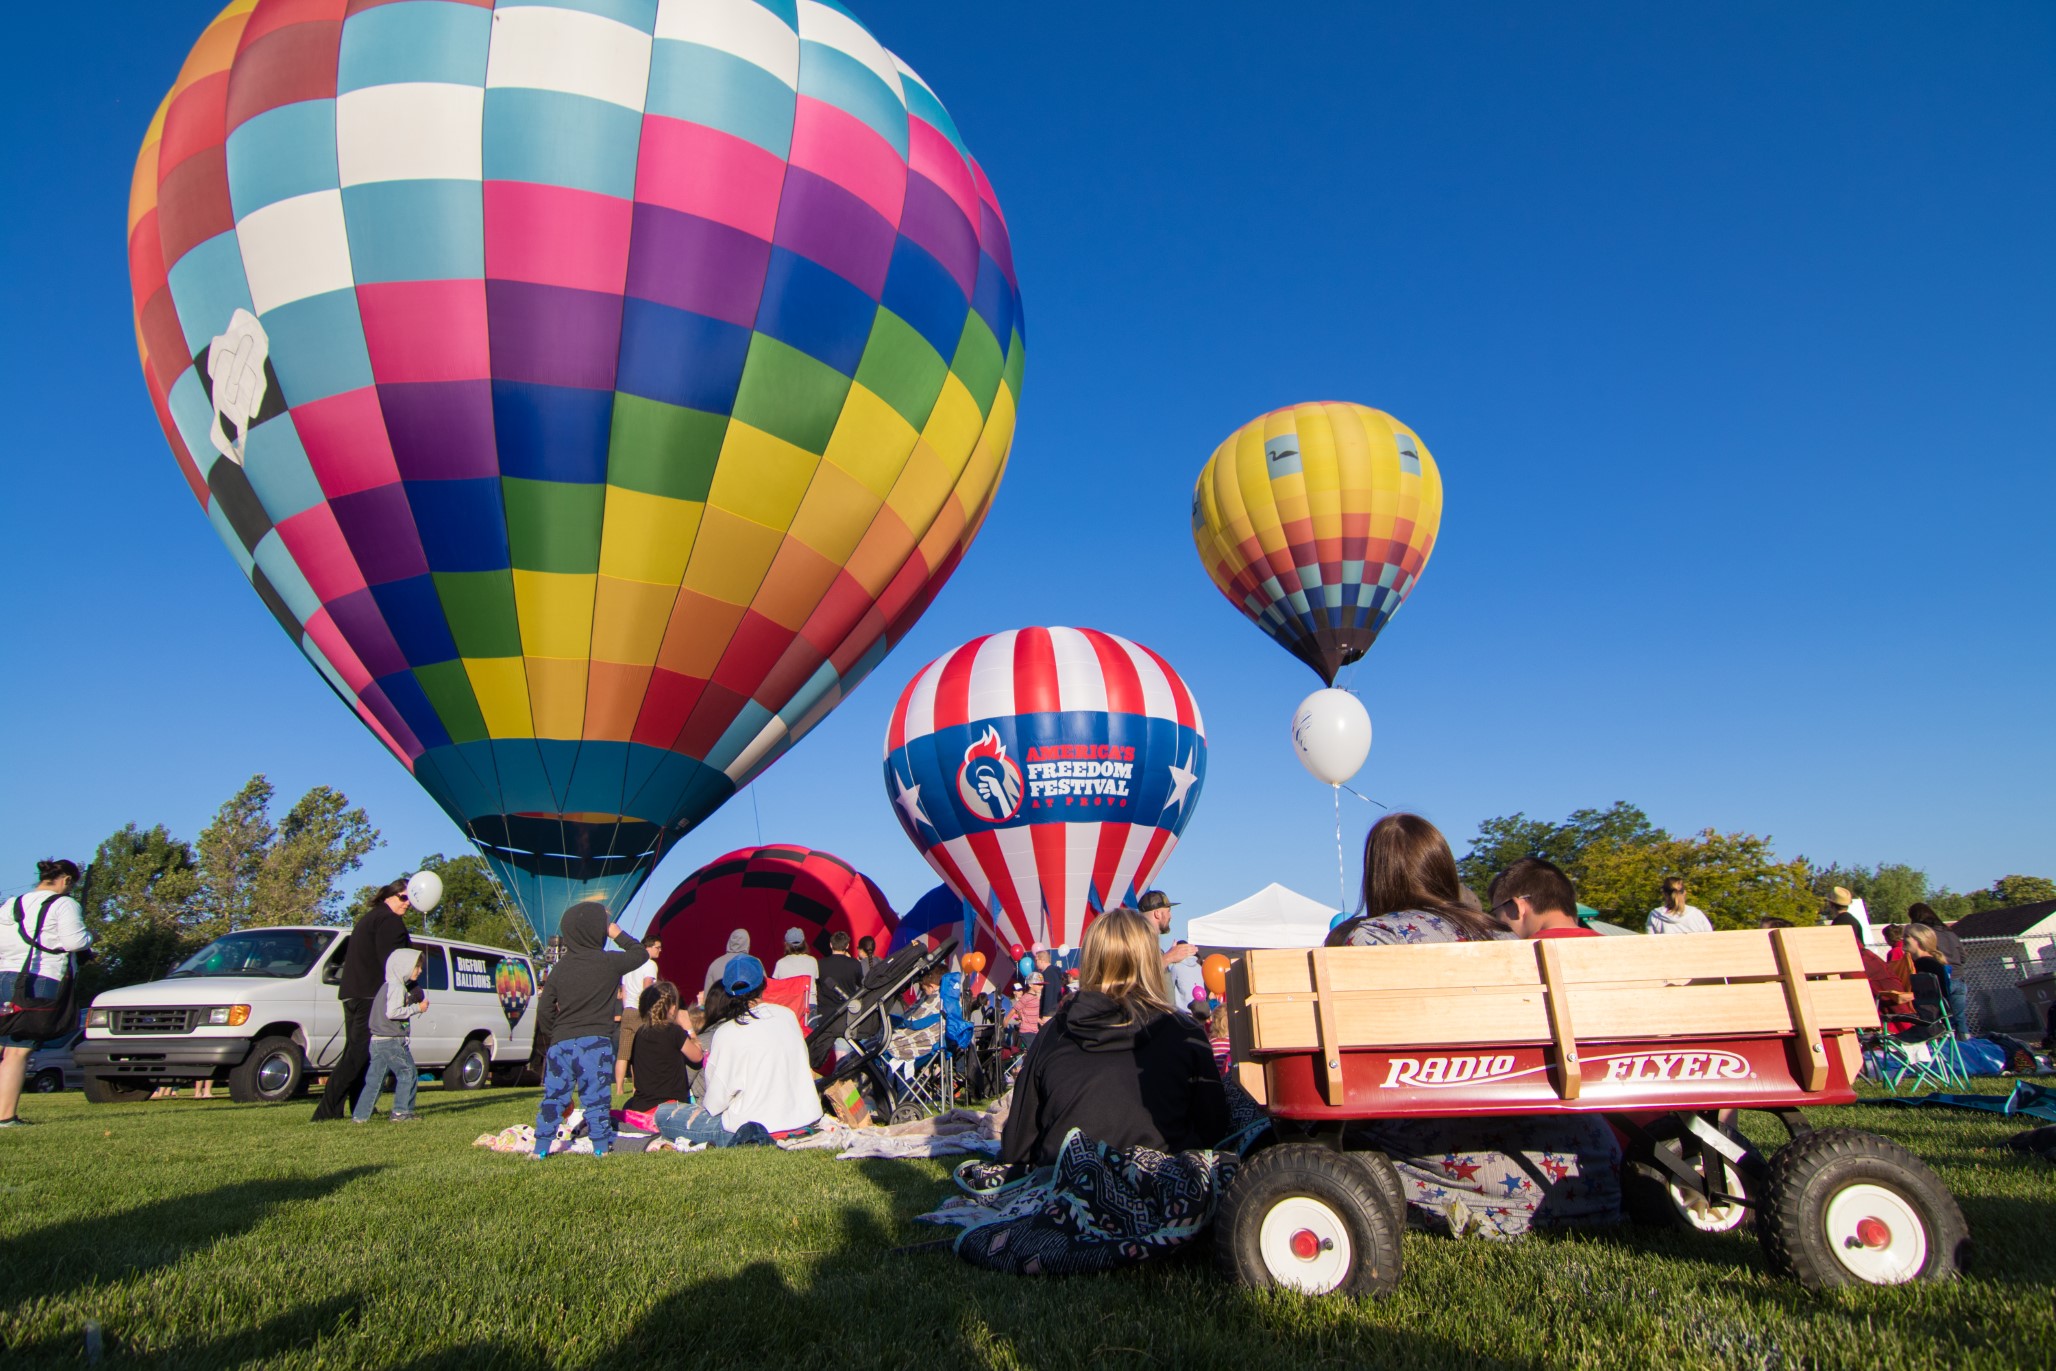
2037,1101
1099,1208
953,1133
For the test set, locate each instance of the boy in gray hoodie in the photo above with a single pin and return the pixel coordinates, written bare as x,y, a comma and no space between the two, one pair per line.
578,1007
393,1011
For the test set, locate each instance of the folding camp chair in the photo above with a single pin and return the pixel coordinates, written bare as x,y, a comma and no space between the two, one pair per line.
1922,1053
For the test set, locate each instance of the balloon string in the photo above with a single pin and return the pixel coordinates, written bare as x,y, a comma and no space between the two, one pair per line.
1361,796
1341,869
757,816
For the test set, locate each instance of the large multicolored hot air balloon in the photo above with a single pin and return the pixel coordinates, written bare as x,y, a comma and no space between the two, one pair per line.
1045,773
595,390
764,891
1315,521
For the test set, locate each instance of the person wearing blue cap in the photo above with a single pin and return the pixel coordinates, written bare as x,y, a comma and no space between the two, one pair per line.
757,1081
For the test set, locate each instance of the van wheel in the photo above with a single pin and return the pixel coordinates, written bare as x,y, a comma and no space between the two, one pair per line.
271,1074
469,1069
110,1090
48,1082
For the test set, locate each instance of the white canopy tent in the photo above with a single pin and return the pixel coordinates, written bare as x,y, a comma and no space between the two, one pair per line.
1273,917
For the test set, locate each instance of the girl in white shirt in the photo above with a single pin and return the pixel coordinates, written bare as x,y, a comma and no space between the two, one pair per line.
37,929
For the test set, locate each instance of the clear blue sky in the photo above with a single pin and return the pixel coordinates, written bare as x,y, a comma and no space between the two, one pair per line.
1734,334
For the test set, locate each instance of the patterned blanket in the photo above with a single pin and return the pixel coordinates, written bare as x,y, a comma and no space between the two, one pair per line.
1097,1209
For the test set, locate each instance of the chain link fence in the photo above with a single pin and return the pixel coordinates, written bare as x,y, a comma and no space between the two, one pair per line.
2011,983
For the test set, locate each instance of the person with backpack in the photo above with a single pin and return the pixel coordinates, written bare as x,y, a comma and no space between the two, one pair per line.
39,930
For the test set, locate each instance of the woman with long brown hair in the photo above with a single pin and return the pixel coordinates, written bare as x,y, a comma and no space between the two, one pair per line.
1496,1176
1117,1062
1411,892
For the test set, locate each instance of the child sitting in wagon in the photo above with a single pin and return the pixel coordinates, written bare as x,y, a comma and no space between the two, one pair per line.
1496,1177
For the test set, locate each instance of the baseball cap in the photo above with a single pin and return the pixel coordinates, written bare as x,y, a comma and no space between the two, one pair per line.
744,975
795,938
1155,899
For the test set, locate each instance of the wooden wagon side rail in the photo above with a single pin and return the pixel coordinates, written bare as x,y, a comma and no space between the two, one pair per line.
1803,984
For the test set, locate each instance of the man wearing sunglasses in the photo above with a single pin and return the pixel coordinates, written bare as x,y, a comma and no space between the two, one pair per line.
1674,915
379,932
1534,899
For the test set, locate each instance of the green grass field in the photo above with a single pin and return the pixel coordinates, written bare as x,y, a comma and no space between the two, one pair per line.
208,1234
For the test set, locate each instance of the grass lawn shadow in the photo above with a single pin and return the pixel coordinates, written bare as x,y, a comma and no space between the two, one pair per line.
61,1257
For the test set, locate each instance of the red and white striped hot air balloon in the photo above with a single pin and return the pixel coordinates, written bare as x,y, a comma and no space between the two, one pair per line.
1046,773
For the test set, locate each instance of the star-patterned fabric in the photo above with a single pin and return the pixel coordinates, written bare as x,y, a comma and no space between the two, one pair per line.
1045,773
1500,1177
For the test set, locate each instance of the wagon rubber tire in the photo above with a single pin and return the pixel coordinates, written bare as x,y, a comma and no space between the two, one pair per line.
110,1090
1646,1188
1835,1179
1385,1176
470,1069
1306,1217
274,1072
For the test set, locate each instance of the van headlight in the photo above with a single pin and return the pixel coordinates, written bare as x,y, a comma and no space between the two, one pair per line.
232,1015
96,1018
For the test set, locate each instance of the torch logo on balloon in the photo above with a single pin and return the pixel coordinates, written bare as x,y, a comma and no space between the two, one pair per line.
989,783
515,987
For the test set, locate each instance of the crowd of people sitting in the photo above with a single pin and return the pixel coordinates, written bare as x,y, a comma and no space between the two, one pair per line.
1128,1048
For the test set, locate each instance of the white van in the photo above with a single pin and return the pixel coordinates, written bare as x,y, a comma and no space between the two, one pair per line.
259,1009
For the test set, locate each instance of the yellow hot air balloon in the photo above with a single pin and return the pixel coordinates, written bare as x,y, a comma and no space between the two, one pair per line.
1316,521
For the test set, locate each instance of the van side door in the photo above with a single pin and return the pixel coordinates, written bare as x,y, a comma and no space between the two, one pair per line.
435,1034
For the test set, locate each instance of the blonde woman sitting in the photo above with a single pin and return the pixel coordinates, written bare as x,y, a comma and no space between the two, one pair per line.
1116,1062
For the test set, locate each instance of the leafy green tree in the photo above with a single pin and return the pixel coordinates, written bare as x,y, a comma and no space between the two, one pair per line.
1617,859
1735,877
2008,891
253,872
1500,842
140,894
1887,890
473,907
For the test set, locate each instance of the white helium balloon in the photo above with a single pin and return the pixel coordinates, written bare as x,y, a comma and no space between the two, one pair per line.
1331,732
424,890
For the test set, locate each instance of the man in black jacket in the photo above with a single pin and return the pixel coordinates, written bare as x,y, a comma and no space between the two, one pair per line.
380,931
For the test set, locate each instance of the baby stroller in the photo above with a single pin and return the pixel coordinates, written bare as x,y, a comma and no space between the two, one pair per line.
849,1042
989,1065
913,1088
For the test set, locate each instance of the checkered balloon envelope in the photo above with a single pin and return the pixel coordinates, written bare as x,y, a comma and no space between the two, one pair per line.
594,390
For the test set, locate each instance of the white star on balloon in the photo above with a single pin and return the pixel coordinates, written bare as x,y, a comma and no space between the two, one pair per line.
1181,781
908,799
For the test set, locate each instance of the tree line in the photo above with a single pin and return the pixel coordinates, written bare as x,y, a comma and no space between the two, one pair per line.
152,899
1617,859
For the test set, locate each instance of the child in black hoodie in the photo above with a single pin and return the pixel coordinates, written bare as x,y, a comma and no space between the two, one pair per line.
577,1008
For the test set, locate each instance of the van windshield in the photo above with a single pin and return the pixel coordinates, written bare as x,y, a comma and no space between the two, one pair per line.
279,953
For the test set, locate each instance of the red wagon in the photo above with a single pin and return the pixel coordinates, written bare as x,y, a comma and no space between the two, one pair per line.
1663,1037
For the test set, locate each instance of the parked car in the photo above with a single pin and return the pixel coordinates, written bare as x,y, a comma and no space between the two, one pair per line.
51,1067
259,1009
